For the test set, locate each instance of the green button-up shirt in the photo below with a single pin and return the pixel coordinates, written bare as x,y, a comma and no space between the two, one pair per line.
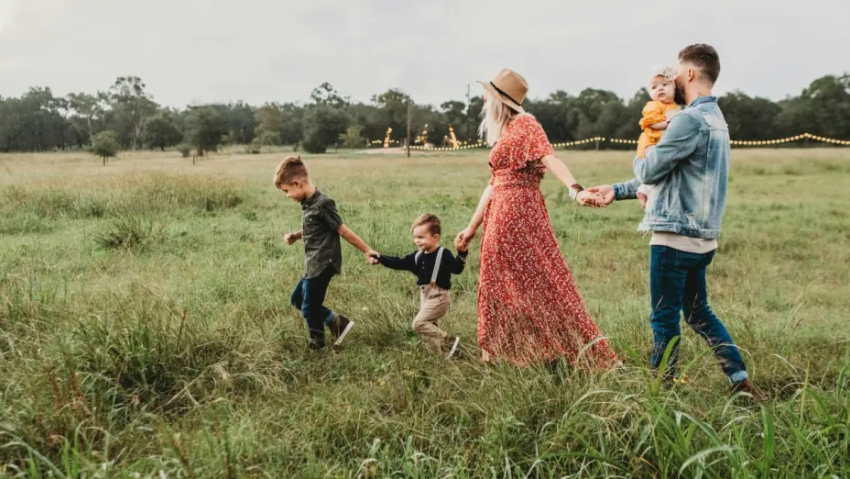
320,224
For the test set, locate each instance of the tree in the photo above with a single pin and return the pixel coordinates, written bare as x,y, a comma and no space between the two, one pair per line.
269,125
34,122
240,121
322,126
748,117
292,129
454,113
473,114
105,145
587,108
556,115
611,117
325,119
393,106
351,138
9,123
369,119
205,126
821,109
162,130
629,127
87,112
130,105
326,94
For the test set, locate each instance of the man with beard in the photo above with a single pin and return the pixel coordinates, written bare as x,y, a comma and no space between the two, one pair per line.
689,169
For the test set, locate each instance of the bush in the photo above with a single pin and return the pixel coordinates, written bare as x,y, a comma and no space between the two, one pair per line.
351,138
184,149
255,147
129,233
267,138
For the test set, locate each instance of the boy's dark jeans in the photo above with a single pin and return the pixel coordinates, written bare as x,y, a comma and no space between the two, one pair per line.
677,284
308,297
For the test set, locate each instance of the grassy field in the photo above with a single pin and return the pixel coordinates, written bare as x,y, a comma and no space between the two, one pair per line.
145,328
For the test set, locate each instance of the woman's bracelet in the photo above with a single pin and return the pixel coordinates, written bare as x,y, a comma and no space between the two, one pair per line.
575,190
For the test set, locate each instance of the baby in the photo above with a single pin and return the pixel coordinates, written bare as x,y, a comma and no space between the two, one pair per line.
656,116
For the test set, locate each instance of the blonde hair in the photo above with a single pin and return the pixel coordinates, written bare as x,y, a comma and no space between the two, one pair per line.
433,222
289,170
495,117
663,71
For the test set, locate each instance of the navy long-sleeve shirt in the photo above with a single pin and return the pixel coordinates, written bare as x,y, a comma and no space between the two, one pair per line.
425,267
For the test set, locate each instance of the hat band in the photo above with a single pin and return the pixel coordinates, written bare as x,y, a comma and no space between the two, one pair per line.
504,94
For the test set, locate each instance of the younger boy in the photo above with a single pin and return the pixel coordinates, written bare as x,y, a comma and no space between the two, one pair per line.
321,228
433,265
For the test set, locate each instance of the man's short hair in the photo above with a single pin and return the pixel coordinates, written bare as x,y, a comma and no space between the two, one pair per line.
705,58
289,170
432,221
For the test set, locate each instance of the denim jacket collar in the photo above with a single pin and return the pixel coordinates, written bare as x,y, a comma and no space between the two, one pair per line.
703,99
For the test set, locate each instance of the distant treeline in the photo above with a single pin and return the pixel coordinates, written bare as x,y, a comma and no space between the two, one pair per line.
38,120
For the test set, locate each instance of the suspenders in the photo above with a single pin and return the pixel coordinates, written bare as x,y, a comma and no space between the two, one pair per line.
436,264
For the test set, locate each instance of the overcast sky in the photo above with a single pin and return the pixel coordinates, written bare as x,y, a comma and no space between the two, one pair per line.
196,51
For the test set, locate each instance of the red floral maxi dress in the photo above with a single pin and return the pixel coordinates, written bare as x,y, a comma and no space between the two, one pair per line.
529,307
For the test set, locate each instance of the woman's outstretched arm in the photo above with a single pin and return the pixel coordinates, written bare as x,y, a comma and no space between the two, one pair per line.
560,171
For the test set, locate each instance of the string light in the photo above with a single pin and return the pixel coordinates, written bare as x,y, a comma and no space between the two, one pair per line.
623,141
779,141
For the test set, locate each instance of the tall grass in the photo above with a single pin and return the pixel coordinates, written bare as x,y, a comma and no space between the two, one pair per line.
145,329
131,195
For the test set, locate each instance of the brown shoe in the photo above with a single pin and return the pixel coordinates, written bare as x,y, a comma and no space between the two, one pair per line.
747,387
340,327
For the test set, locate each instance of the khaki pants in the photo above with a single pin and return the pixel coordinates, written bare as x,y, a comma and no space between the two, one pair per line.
434,304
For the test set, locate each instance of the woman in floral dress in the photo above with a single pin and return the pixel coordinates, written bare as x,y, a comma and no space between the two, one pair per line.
529,307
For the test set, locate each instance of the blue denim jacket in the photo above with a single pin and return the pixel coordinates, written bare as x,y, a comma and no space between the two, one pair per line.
689,167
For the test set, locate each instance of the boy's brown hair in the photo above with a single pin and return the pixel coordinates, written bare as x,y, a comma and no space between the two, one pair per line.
432,221
705,58
289,170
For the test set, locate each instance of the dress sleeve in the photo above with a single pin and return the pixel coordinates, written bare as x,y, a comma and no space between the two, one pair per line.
653,113
533,143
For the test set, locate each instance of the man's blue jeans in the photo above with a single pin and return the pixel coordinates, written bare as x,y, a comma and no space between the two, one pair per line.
309,297
677,284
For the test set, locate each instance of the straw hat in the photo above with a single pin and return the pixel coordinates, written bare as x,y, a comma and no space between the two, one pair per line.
509,87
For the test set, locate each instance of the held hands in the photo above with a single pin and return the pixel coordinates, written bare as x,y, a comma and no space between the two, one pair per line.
606,192
373,257
591,198
464,238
